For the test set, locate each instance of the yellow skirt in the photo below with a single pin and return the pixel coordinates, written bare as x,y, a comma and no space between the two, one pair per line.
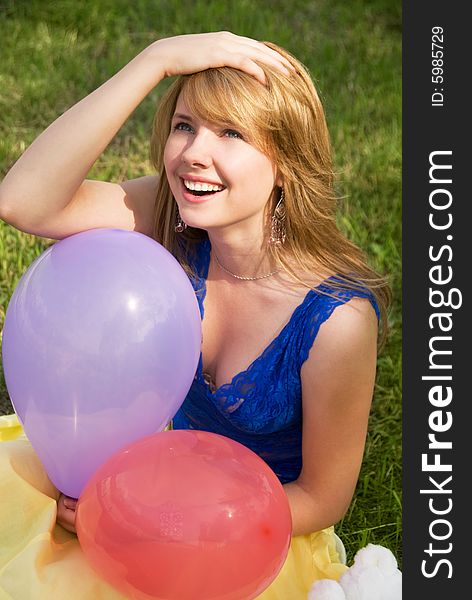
39,560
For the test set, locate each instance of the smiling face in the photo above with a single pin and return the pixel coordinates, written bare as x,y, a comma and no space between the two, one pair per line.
217,177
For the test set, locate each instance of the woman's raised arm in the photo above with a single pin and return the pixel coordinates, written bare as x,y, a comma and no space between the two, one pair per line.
45,192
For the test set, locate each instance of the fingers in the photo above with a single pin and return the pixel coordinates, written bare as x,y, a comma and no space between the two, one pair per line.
251,68
68,527
192,53
270,55
250,50
66,513
70,503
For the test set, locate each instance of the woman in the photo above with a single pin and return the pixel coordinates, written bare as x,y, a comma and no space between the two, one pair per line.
243,197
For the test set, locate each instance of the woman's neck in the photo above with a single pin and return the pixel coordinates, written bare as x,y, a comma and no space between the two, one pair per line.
244,256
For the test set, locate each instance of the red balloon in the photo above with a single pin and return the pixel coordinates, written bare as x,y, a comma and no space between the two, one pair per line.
185,515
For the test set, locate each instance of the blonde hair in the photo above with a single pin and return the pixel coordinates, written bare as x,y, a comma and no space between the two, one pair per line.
285,120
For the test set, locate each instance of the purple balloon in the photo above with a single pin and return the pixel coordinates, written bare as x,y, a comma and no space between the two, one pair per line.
101,342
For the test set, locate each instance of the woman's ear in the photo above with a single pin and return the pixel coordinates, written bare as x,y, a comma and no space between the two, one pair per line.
279,178
279,181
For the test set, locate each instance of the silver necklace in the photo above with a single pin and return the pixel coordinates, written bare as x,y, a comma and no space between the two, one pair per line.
240,276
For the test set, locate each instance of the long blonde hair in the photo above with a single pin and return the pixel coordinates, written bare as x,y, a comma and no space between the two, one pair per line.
285,120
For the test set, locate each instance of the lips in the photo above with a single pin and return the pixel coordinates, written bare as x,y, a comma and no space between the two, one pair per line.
199,179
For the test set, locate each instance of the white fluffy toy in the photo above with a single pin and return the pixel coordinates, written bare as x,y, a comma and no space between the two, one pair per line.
373,576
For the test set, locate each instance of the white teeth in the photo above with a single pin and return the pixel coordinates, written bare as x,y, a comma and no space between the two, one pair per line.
202,187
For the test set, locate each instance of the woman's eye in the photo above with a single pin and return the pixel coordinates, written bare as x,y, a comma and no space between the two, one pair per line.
232,133
182,126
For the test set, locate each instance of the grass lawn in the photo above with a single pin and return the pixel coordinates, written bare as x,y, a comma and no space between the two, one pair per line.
54,53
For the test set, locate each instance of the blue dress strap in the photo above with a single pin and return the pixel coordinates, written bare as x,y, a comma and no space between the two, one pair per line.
319,306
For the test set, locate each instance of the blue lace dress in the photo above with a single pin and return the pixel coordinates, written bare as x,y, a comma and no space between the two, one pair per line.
262,406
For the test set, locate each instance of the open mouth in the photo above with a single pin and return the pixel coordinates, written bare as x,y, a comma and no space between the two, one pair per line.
201,188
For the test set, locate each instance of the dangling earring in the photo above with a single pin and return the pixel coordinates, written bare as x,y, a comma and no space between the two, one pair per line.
180,225
277,230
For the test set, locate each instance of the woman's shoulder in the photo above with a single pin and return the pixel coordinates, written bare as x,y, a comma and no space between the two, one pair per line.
347,337
140,198
356,311
334,311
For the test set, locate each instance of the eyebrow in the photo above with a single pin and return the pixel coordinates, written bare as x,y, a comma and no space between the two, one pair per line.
182,116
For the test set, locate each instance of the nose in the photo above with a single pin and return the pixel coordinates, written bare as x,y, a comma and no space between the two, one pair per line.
197,151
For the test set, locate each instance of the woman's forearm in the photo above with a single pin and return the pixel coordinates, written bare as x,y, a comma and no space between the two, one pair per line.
46,177
308,515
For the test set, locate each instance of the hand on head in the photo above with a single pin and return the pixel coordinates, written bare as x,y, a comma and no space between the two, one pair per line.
191,53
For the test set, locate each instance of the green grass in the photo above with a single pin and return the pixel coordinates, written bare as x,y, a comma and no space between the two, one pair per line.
54,53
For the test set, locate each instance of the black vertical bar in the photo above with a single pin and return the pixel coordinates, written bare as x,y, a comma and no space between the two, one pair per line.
436,332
